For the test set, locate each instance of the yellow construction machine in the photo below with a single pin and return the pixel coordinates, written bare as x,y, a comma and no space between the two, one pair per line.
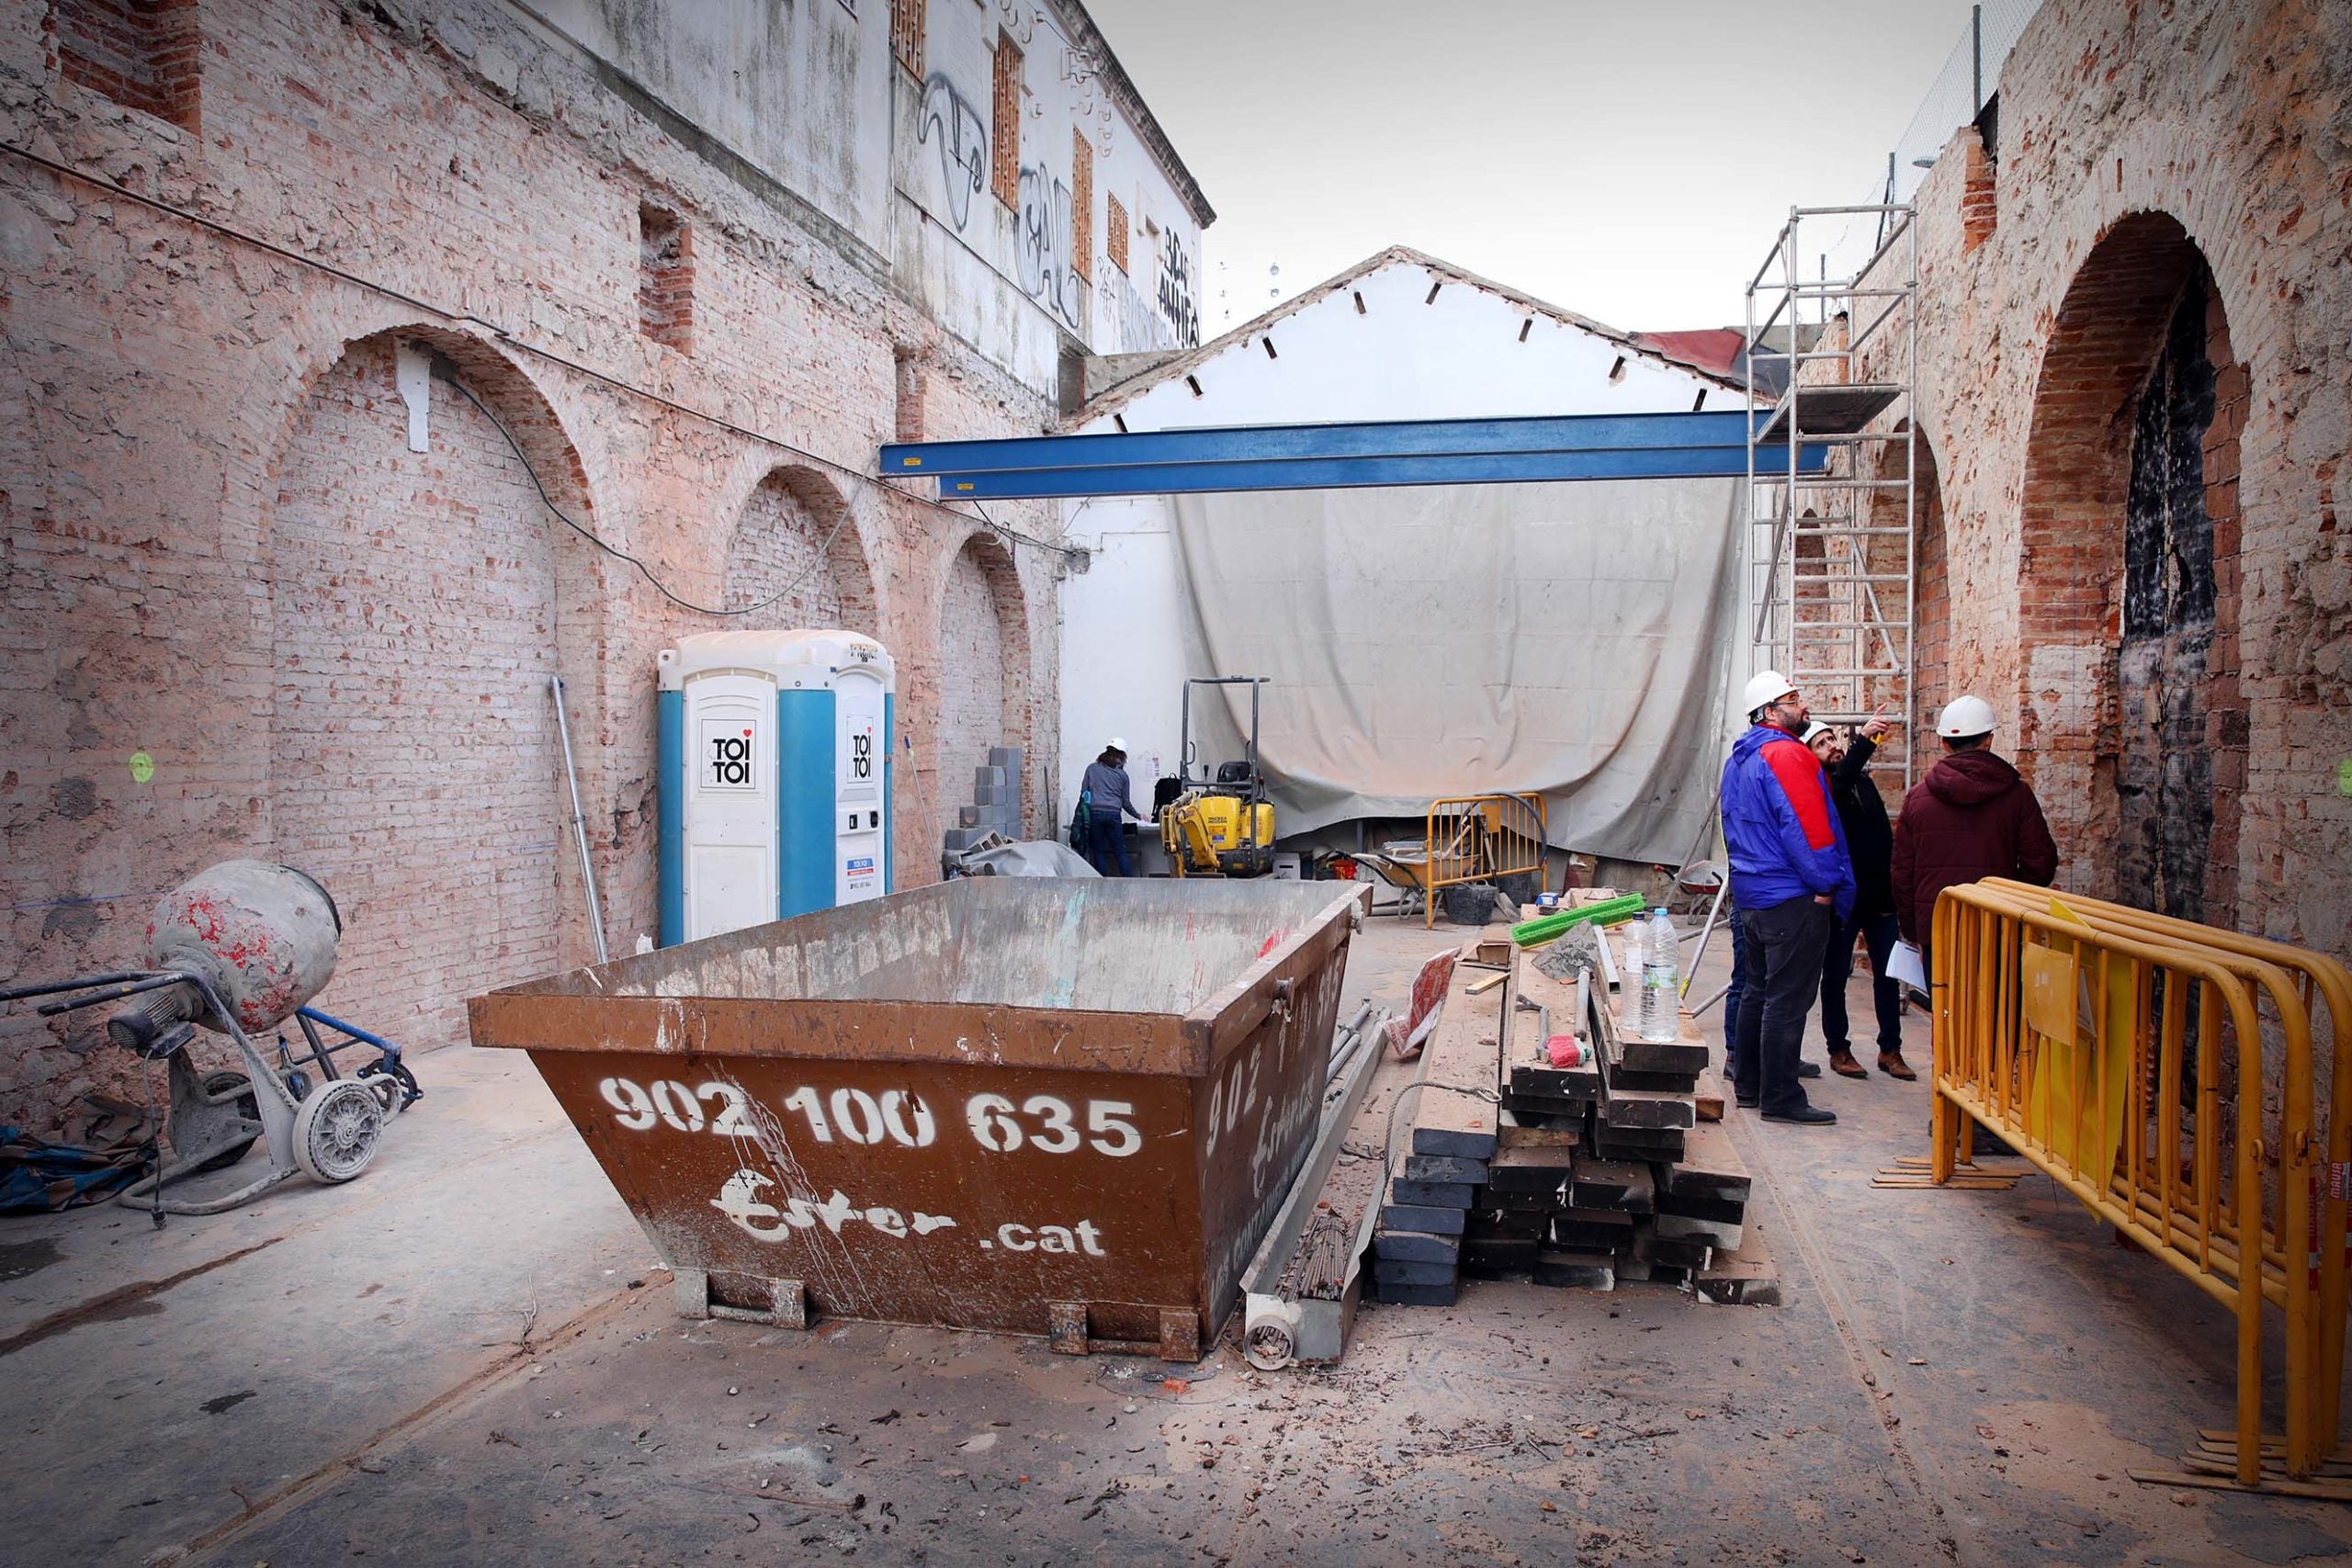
1219,822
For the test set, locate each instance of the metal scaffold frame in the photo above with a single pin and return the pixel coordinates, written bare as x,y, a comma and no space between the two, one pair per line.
1832,555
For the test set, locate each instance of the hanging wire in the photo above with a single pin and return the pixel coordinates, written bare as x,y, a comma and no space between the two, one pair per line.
642,569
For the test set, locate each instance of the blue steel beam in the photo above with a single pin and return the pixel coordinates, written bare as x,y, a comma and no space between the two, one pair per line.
1257,443
1342,473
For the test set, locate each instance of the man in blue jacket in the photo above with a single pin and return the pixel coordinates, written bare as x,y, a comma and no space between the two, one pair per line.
1793,883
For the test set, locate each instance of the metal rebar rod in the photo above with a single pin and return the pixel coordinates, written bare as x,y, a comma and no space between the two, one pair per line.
579,822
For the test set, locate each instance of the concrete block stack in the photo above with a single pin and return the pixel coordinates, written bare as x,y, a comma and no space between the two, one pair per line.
997,804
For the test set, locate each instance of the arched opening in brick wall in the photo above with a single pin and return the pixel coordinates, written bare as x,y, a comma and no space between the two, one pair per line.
982,680
2133,725
420,601
796,551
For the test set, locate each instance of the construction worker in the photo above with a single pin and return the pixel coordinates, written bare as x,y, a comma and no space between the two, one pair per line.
1972,816
1794,885
1106,795
1870,840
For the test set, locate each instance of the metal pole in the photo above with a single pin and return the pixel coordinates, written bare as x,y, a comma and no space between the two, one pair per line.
1975,60
579,823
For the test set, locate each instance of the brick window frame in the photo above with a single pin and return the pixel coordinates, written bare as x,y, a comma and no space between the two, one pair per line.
145,54
906,35
1115,231
665,277
1082,206
1004,124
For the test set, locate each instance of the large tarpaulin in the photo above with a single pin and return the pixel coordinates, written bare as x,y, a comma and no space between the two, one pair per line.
1570,640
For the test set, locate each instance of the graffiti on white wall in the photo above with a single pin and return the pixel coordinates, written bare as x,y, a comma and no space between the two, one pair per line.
1176,301
954,124
1124,322
1043,243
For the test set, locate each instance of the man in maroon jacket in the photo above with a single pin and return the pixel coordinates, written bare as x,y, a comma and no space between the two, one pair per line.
1971,817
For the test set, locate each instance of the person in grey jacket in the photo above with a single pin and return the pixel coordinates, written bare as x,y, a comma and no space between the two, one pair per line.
1107,796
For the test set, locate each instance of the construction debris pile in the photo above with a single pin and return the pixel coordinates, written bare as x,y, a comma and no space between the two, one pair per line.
1547,1143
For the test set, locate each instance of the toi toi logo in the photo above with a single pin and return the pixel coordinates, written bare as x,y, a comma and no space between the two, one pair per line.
142,768
730,758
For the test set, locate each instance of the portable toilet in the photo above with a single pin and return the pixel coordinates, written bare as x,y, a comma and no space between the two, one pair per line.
775,777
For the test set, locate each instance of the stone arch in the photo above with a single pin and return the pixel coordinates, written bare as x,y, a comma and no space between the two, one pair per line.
984,695
2130,714
419,603
796,535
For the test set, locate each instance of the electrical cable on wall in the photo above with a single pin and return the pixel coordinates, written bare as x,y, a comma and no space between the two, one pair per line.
642,569
67,171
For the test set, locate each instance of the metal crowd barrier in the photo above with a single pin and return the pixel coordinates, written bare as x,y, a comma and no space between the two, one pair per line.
2101,1042
1477,838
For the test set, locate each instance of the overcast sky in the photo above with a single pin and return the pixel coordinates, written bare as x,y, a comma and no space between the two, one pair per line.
1628,159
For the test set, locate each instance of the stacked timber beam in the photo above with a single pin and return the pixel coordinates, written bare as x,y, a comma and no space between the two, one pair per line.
1438,1168
1596,1160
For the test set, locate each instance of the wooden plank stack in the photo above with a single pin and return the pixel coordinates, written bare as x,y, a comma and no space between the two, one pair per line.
1593,1167
1444,1163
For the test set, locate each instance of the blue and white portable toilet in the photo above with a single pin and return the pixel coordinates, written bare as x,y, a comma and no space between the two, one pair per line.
774,757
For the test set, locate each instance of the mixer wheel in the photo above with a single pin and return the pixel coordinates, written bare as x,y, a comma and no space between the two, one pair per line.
337,1130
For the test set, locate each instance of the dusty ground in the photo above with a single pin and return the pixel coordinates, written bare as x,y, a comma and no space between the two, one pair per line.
468,1355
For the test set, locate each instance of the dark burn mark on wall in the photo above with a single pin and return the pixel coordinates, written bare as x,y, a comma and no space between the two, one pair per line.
2164,769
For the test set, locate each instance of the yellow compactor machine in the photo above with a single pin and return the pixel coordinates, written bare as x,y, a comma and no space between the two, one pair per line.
1219,822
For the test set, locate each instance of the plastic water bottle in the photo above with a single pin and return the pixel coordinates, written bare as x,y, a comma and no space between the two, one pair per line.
1661,980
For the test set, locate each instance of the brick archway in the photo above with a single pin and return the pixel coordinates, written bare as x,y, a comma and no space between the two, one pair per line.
794,550
983,681
419,602
2130,722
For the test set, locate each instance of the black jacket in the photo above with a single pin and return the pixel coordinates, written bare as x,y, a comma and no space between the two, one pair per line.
1869,836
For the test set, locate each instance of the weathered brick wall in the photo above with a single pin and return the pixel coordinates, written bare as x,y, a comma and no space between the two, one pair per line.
220,552
2136,143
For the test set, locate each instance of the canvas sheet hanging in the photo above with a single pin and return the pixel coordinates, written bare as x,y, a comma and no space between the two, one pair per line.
1568,640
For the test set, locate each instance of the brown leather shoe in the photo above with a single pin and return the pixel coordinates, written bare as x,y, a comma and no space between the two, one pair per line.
1842,1063
1892,1063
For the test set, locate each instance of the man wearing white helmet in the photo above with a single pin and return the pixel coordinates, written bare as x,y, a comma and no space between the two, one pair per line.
1971,817
1793,883
1105,795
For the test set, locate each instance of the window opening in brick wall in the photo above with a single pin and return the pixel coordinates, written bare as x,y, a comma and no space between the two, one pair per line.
145,54
1004,124
1082,206
906,34
665,277
1115,241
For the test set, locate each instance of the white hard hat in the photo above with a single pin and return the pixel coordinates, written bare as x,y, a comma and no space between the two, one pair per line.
1964,717
1768,686
1815,731
1114,744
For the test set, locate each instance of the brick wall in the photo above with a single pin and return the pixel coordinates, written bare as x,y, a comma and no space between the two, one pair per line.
2139,144
220,552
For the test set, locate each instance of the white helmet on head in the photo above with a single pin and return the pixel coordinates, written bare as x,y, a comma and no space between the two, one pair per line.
1963,717
1815,731
1766,686
1114,744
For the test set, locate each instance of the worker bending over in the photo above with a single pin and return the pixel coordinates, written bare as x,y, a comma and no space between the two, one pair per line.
1107,795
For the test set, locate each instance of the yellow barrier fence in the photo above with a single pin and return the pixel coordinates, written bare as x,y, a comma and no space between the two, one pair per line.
1477,838
2124,1055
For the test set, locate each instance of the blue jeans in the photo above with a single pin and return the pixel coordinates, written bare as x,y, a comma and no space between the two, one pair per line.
1878,933
1106,844
1783,964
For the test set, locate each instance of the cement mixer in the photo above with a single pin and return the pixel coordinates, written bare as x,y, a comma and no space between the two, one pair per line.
240,949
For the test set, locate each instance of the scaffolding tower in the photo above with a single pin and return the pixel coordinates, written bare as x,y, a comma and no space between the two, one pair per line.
1832,555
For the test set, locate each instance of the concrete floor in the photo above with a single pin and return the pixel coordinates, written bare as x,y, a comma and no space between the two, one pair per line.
469,1354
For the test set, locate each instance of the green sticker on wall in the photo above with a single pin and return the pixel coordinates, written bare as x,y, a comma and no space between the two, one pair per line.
142,767
2344,776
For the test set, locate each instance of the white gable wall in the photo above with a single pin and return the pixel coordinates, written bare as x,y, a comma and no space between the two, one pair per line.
1127,626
